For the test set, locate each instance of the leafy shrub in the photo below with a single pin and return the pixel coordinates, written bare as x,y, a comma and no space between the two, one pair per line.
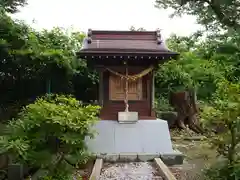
162,104
224,112
222,171
190,71
49,132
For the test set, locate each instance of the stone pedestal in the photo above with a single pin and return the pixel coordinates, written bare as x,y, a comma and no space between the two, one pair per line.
147,137
127,117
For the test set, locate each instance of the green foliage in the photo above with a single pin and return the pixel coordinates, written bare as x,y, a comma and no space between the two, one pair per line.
59,175
162,104
201,64
29,59
213,68
222,171
211,14
163,109
182,43
31,54
50,131
224,112
190,71
12,6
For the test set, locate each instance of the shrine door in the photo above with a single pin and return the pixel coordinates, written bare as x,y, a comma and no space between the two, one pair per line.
117,87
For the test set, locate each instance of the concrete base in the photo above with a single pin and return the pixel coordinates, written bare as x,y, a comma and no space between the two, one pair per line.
174,158
127,117
145,139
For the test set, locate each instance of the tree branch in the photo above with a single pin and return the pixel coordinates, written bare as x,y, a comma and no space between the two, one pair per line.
215,6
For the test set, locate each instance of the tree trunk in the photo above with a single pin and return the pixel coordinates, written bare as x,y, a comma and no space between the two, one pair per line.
185,105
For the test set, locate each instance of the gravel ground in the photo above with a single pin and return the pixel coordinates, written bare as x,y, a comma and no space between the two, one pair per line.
130,171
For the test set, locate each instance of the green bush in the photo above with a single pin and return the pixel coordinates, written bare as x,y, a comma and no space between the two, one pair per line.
224,113
222,171
162,104
49,132
189,72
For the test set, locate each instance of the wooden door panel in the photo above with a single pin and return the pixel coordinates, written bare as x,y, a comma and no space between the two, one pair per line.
117,88
135,90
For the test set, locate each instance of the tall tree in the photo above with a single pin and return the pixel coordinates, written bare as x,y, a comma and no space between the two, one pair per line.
210,13
35,62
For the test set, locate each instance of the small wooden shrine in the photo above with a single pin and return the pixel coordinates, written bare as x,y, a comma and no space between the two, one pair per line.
125,61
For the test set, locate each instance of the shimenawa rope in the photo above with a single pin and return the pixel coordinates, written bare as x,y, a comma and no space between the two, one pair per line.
132,77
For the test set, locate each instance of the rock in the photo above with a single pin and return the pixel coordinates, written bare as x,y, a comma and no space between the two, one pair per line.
169,116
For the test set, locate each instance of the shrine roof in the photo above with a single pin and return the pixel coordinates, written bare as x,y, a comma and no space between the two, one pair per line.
124,43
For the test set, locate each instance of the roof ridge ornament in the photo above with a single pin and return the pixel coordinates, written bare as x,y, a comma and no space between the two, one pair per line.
159,36
89,38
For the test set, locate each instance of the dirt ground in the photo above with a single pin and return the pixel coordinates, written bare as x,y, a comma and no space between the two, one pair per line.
199,154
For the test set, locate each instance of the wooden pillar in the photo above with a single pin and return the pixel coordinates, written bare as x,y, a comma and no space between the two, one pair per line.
100,87
126,90
152,94
153,90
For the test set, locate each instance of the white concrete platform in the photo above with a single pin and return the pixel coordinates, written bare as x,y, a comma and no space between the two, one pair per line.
145,136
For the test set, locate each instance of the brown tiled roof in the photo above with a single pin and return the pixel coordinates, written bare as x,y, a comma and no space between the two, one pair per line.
125,42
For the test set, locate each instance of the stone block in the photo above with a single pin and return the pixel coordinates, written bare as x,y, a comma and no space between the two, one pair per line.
101,155
127,117
145,136
147,156
111,157
172,158
126,157
169,116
